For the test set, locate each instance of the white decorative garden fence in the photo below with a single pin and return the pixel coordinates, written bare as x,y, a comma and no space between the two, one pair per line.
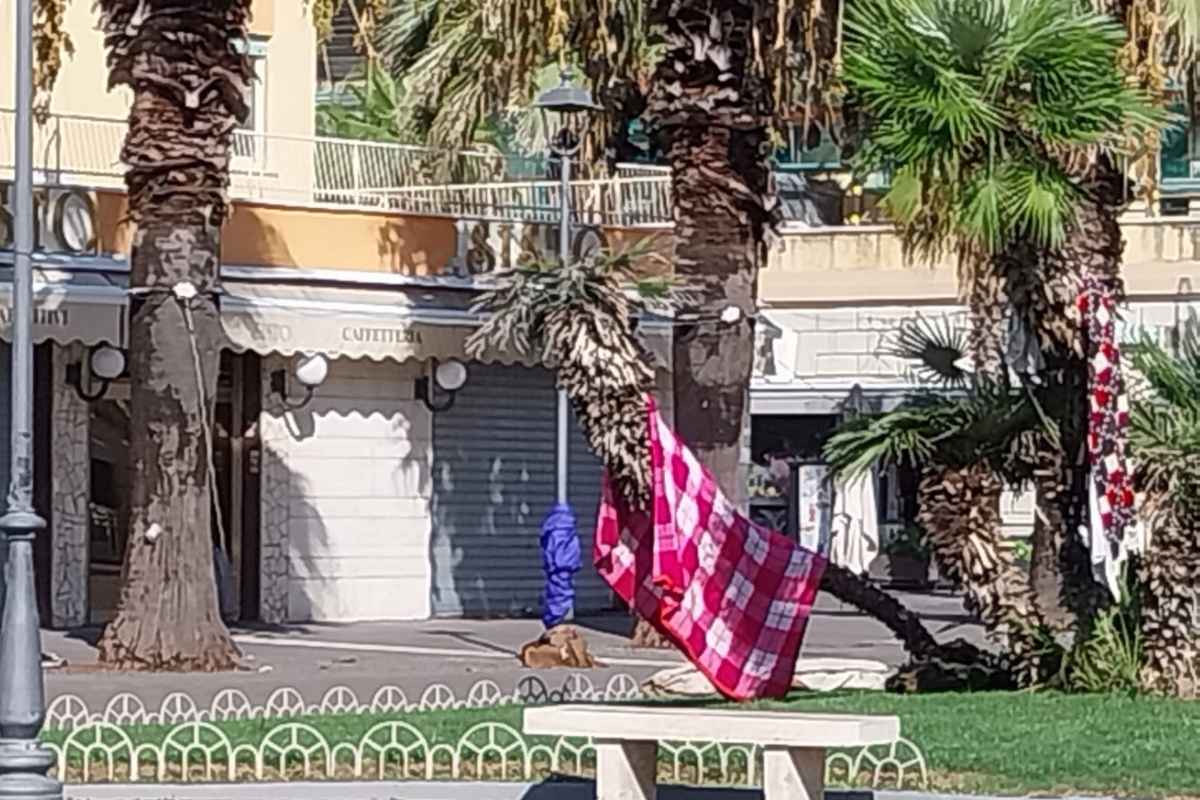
114,744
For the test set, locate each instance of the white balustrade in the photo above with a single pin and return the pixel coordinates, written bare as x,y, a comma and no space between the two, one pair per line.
76,150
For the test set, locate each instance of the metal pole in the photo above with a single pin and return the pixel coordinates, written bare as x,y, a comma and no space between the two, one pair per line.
564,254
24,763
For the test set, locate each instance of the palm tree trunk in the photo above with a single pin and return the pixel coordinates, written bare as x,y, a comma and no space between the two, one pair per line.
904,624
1094,246
1170,607
960,510
714,112
168,618
1067,595
189,82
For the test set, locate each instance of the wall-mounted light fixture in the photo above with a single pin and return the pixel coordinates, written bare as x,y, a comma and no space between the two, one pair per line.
310,371
448,377
105,365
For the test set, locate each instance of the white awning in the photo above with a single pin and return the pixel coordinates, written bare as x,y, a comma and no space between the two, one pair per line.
70,306
377,323
338,322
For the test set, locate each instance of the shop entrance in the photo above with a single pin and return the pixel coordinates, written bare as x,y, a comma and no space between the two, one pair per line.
235,459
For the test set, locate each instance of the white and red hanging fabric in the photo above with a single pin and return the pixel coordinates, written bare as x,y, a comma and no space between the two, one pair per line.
1113,514
733,596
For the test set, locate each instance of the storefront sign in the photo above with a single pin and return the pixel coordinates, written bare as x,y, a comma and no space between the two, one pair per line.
62,317
58,318
65,220
485,246
255,333
360,334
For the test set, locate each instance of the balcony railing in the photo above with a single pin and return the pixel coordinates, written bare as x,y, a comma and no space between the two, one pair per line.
319,171
621,202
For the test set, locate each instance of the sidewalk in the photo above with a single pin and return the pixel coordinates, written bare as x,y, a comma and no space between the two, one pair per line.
313,658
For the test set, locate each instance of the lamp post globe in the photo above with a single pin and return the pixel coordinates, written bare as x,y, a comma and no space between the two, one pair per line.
107,363
451,375
562,105
312,370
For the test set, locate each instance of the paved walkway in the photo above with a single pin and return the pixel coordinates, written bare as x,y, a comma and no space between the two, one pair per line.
313,658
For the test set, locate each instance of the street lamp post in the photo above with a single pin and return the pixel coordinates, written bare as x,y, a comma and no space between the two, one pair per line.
24,763
559,106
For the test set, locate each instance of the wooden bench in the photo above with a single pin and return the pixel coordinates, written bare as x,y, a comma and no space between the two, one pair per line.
626,739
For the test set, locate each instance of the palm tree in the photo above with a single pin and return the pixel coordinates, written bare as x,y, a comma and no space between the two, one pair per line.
1165,435
713,77
581,319
189,84
966,447
1171,629
986,113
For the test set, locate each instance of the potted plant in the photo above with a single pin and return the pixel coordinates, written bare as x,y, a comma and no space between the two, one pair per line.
908,557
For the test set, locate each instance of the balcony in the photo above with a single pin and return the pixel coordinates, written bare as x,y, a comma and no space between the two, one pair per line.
296,171
839,265
833,226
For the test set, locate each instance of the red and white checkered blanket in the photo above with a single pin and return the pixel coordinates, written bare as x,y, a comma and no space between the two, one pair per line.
732,595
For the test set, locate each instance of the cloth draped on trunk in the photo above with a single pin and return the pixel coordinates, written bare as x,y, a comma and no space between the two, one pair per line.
1108,410
1112,513
855,524
561,560
733,596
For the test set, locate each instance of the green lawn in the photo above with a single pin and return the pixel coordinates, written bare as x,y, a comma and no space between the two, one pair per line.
1005,743
1016,743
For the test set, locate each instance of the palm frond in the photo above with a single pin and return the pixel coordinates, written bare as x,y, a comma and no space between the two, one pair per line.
1164,430
903,437
936,347
579,319
976,105
468,63
992,425
1174,379
1183,23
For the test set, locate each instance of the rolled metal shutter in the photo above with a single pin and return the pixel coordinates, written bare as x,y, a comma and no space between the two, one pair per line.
493,482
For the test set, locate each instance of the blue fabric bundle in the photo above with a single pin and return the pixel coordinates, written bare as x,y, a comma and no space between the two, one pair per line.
561,559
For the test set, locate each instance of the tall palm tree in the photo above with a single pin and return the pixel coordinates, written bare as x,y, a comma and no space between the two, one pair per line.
712,76
1166,438
189,82
580,318
984,112
1171,629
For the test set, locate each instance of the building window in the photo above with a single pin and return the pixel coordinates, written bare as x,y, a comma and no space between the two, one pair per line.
798,156
248,142
1179,141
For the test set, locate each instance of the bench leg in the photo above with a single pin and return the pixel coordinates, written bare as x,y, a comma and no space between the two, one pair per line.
626,770
793,774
